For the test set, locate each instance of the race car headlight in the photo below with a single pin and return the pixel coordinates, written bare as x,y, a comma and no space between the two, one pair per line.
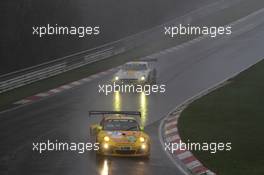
116,78
105,146
106,139
143,146
142,139
142,78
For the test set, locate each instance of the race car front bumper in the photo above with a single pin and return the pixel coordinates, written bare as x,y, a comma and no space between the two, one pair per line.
142,150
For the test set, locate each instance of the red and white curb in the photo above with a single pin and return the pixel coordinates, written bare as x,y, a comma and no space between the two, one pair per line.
62,88
184,159
39,96
171,135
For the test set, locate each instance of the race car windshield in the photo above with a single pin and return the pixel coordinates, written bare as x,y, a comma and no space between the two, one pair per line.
135,67
121,125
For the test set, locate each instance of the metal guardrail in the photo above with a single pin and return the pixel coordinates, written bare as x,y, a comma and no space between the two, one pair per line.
29,75
32,74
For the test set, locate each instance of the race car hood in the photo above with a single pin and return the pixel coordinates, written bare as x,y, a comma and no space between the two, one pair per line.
123,136
131,74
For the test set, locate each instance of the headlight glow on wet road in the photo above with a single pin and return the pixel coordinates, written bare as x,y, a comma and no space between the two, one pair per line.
143,108
117,101
105,169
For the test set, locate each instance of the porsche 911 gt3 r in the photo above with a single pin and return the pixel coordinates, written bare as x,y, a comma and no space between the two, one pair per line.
119,134
136,72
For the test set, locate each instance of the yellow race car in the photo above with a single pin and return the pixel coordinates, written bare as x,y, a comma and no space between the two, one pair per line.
119,134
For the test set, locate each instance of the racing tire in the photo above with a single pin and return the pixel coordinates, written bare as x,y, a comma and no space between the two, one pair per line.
146,158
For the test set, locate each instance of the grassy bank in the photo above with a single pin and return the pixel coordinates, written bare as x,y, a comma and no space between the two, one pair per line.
233,113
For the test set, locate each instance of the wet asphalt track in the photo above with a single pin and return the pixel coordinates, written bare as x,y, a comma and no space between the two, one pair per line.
64,117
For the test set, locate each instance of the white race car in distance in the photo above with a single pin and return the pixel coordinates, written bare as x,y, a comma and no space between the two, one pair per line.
137,72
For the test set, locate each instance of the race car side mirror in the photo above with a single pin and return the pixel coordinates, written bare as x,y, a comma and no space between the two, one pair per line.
95,128
99,127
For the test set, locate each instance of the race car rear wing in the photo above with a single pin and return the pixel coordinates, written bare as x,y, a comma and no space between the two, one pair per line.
149,60
137,113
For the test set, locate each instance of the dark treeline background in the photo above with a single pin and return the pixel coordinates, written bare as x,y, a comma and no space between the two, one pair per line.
117,19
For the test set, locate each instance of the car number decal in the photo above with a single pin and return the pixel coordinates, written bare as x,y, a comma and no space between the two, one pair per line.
131,73
131,138
125,148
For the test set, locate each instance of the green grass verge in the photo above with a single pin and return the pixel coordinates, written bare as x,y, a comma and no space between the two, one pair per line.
233,113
